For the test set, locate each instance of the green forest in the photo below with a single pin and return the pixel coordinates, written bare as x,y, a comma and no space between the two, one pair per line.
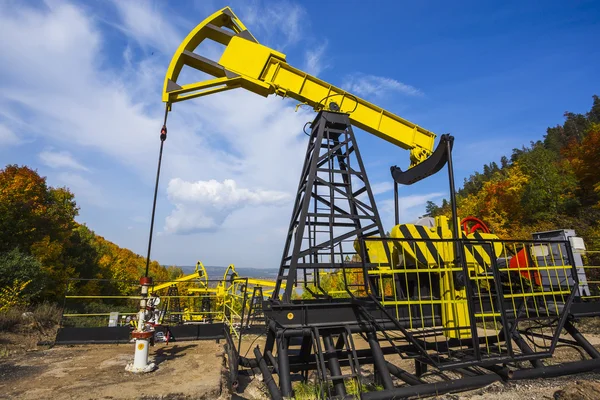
554,183
43,248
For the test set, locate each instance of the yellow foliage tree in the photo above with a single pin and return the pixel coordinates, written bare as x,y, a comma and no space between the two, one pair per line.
12,295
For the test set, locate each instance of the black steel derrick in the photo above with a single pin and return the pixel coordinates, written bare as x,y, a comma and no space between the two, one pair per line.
327,211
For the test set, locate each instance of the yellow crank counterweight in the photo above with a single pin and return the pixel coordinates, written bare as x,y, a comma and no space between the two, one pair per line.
247,64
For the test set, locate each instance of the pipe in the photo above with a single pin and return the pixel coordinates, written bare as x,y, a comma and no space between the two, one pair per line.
312,365
355,327
334,366
404,375
396,208
248,362
273,361
420,367
433,388
379,362
460,281
581,340
498,370
285,382
267,377
527,350
555,370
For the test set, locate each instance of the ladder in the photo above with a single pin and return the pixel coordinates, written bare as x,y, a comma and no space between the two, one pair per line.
255,312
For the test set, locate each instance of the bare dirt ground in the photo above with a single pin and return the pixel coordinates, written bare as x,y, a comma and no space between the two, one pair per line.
196,370
186,370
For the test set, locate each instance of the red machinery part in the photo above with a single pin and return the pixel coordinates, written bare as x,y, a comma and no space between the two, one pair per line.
146,281
521,262
477,225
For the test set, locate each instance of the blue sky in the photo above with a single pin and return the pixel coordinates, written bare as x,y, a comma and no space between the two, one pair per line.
80,86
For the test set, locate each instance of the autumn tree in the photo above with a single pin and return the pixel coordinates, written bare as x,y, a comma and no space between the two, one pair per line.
552,183
17,268
31,211
41,243
550,187
583,157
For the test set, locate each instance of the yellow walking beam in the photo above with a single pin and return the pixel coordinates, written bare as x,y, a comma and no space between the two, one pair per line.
260,282
247,64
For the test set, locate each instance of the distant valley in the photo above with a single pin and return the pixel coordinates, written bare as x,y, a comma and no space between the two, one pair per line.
217,272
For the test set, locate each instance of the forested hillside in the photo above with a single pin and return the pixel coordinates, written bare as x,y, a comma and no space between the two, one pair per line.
42,246
552,183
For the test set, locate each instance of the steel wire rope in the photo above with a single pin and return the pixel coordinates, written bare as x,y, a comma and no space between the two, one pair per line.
163,137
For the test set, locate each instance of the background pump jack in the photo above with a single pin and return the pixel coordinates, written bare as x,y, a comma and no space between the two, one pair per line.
451,300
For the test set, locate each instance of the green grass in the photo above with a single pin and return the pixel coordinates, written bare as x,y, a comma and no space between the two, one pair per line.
306,391
310,390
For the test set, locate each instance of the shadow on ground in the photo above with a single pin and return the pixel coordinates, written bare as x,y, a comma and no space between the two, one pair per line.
170,353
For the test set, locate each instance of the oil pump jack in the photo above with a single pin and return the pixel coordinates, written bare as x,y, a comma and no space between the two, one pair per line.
449,299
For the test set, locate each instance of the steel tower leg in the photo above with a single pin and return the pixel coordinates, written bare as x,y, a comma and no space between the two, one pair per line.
334,205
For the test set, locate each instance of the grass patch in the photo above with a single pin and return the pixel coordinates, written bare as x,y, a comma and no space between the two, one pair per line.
47,314
9,319
372,387
306,391
310,390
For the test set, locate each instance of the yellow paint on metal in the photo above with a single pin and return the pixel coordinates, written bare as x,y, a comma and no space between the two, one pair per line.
375,250
247,64
425,250
247,58
199,274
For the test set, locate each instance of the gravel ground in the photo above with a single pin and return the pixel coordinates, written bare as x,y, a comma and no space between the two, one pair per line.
195,370
186,370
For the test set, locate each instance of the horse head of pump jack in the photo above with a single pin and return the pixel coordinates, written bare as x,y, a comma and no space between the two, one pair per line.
230,72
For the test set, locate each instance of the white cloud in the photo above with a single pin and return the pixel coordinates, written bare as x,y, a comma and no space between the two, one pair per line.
277,24
314,62
411,207
72,97
44,54
60,159
142,21
67,96
54,73
204,205
377,86
381,187
83,188
7,136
